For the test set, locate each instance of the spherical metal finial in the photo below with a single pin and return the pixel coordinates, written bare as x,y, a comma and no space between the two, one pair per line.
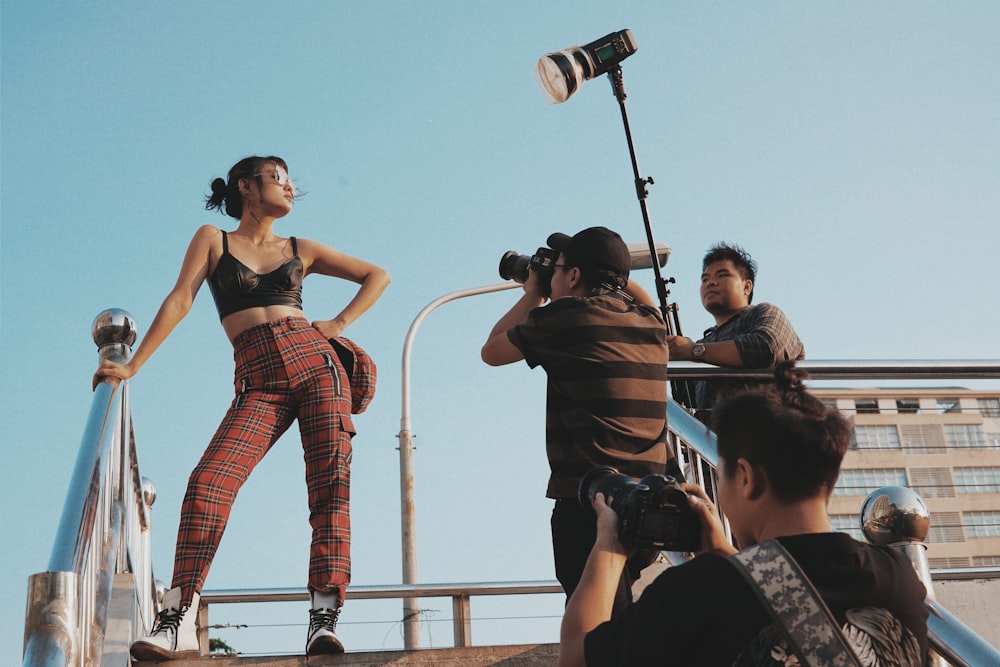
894,514
148,491
114,325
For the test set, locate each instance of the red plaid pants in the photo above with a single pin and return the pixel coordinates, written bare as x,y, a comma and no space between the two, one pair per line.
285,371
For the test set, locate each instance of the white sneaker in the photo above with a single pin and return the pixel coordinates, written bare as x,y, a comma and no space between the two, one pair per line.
322,636
174,634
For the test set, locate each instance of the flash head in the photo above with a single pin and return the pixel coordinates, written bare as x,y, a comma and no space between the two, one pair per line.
559,74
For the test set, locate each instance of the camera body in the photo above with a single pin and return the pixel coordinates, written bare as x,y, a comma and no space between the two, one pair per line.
653,513
515,267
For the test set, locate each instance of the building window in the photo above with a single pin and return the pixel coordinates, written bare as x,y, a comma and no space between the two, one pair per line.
932,482
866,406
982,524
875,437
922,438
977,480
948,406
847,523
945,527
948,563
908,406
986,561
830,403
863,482
989,407
964,436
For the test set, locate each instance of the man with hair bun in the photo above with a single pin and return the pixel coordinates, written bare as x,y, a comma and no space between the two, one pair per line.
780,451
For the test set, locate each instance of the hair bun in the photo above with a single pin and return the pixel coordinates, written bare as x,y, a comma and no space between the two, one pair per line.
217,200
788,378
790,383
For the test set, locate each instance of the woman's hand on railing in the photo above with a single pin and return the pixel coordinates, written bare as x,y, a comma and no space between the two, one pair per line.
111,372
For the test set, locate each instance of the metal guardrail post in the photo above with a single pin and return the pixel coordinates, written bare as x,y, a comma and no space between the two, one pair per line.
52,623
67,605
898,517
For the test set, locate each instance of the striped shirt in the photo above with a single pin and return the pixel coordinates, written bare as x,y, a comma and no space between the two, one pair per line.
606,401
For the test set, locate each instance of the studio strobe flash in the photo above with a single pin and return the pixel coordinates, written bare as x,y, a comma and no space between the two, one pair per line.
559,74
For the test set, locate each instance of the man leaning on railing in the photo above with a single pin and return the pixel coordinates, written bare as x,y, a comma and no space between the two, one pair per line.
744,335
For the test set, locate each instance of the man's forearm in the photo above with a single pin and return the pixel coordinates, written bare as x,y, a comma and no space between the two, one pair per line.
722,353
591,602
498,349
719,353
517,314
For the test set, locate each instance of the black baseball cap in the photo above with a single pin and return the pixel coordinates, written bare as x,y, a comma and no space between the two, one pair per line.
595,248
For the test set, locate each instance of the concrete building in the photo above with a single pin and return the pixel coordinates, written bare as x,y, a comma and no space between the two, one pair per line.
942,442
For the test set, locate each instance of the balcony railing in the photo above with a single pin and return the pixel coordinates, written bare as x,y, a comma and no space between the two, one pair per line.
104,529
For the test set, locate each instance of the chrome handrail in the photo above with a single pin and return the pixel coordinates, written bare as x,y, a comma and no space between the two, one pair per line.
854,369
956,642
68,604
59,613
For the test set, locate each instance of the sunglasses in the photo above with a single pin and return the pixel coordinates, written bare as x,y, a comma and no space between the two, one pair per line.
279,175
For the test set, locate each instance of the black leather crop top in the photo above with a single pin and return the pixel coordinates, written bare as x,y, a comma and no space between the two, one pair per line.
236,287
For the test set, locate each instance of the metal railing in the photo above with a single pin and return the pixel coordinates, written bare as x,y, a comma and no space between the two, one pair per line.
104,528
460,594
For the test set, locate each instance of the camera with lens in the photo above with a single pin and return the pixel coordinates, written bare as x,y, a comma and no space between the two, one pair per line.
515,267
653,513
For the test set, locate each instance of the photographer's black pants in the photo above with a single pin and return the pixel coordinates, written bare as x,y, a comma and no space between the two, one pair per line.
574,531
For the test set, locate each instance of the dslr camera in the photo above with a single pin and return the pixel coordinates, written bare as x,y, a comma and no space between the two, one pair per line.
653,513
515,267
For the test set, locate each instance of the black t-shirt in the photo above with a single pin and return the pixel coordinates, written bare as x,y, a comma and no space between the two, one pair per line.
704,613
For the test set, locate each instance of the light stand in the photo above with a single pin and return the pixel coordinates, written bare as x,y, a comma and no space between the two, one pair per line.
681,390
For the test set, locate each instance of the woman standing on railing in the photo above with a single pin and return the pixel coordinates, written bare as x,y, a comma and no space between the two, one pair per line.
285,370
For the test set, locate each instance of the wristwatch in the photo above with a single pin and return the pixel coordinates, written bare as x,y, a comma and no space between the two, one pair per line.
698,351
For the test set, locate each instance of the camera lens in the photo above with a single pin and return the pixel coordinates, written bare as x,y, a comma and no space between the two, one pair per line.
606,480
514,267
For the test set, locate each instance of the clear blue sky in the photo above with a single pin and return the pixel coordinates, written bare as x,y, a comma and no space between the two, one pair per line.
853,148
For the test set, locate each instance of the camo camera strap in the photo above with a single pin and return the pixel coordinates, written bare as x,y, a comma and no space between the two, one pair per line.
795,605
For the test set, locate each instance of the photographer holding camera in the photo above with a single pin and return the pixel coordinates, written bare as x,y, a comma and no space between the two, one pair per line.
602,343
780,451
